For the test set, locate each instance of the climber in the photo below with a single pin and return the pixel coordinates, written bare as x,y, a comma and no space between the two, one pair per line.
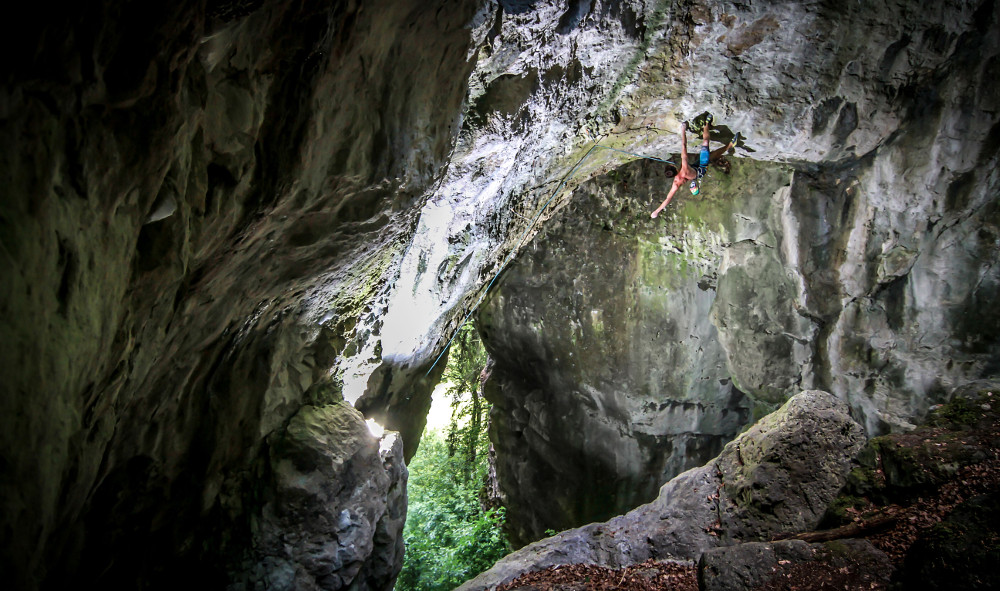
686,173
681,176
715,157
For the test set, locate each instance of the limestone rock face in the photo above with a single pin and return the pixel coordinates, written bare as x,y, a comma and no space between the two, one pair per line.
885,240
546,73
610,378
860,272
208,216
218,213
721,503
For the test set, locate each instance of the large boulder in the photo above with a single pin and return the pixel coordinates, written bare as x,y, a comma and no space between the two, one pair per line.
721,503
782,473
334,515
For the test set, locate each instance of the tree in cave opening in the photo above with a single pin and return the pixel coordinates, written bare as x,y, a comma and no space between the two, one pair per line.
452,532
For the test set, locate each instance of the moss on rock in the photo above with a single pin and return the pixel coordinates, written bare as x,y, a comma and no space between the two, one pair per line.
901,466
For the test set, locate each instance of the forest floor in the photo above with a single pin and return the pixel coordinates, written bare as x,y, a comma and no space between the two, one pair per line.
914,482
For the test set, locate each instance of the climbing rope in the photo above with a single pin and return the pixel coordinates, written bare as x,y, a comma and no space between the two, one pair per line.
597,145
633,154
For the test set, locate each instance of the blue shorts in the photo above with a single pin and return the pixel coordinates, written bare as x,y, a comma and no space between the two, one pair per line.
704,156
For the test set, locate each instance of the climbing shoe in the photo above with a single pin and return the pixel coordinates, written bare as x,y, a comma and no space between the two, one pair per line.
737,139
698,124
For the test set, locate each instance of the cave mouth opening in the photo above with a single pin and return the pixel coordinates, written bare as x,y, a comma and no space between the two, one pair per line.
455,520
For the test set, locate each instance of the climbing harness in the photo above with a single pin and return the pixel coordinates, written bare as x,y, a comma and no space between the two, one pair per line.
597,145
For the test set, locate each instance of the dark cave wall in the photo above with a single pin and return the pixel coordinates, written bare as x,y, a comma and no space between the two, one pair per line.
185,191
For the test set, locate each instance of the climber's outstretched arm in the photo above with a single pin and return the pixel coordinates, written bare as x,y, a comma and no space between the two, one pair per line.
666,201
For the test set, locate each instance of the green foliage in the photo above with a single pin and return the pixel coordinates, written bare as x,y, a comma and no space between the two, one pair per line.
469,411
449,537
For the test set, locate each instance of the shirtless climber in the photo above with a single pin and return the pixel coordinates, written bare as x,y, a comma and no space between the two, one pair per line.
692,175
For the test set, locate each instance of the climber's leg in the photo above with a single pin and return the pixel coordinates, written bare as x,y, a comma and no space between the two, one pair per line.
686,171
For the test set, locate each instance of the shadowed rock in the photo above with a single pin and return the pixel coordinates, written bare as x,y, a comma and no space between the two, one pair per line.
847,564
